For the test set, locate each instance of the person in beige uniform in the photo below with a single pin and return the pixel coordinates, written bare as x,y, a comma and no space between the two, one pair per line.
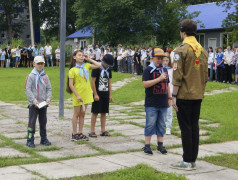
189,81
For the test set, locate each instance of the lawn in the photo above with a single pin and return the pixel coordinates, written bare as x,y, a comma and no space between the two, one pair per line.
139,172
13,82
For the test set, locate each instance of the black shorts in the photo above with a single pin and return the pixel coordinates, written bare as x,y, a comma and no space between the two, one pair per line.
101,106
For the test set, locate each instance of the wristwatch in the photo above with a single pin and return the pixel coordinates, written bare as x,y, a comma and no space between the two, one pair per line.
174,95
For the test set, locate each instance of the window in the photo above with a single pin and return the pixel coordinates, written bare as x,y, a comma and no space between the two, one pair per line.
27,36
201,39
27,17
3,35
82,43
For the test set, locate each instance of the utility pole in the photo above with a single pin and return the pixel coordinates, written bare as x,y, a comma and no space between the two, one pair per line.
62,55
31,23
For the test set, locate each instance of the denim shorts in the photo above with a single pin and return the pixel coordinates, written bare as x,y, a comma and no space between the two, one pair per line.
17,59
236,72
155,121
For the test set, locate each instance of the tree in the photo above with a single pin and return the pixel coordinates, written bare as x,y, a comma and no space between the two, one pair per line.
126,21
10,9
231,21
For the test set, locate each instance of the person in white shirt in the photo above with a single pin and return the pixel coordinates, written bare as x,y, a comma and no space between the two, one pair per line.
85,50
108,51
76,48
228,60
210,63
42,51
119,57
130,55
57,56
91,54
48,54
97,53
18,56
143,57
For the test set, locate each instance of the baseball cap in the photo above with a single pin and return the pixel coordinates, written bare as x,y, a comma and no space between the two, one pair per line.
157,52
39,59
108,59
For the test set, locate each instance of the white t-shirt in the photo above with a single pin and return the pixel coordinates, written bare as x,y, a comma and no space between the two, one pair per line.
130,53
143,54
98,54
18,52
48,50
57,56
210,59
170,72
119,57
228,55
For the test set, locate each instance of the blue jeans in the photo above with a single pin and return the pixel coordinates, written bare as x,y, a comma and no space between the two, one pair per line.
49,57
13,61
155,121
129,63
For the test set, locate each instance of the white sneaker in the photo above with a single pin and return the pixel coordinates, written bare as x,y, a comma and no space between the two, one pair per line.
168,131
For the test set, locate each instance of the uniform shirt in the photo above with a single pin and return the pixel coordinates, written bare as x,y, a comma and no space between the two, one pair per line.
36,52
102,83
157,95
29,52
190,72
219,58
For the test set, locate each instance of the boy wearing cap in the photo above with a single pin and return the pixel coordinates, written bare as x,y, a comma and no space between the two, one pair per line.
102,88
157,100
38,91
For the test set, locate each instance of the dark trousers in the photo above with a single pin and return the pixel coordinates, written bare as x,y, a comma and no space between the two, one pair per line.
228,73
138,67
220,74
115,65
188,117
35,112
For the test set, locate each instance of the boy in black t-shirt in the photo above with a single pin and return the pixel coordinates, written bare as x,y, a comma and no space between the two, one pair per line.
157,100
101,86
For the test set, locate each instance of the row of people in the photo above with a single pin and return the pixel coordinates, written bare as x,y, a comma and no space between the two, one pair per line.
24,56
221,65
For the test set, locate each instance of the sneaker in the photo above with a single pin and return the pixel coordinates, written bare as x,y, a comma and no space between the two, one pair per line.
30,143
162,150
147,150
193,165
75,137
182,166
45,142
168,131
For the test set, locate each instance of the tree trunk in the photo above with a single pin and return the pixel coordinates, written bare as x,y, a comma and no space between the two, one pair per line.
10,32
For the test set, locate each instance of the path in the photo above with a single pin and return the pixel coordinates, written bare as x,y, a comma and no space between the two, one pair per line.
127,137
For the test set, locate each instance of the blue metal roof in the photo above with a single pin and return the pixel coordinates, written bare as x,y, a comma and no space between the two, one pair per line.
211,15
85,32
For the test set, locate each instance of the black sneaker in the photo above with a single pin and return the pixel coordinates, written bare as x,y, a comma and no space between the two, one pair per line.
75,137
45,142
162,150
30,143
147,150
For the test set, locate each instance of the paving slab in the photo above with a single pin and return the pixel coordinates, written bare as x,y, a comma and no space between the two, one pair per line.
230,147
140,121
201,153
230,174
11,128
122,127
75,151
213,125
10,152
74,167
204,137
16,172
6,121
116,144
203,120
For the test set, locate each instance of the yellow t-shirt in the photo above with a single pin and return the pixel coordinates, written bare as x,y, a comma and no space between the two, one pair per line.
82,86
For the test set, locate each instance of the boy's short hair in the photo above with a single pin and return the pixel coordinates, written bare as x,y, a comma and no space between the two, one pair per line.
188,26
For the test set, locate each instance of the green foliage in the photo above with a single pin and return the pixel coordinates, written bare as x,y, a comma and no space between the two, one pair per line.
14,43
130,22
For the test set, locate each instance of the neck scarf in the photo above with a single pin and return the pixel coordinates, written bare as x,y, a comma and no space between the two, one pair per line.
104,70
38,76
160,68
82,70
192,41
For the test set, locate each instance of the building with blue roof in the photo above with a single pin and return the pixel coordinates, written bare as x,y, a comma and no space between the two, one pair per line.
210,31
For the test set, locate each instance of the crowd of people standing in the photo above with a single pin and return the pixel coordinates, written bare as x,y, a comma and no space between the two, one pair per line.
18,56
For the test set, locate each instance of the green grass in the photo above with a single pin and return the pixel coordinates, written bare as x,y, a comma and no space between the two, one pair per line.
13,82
217,86
139,172
227,160
131,92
